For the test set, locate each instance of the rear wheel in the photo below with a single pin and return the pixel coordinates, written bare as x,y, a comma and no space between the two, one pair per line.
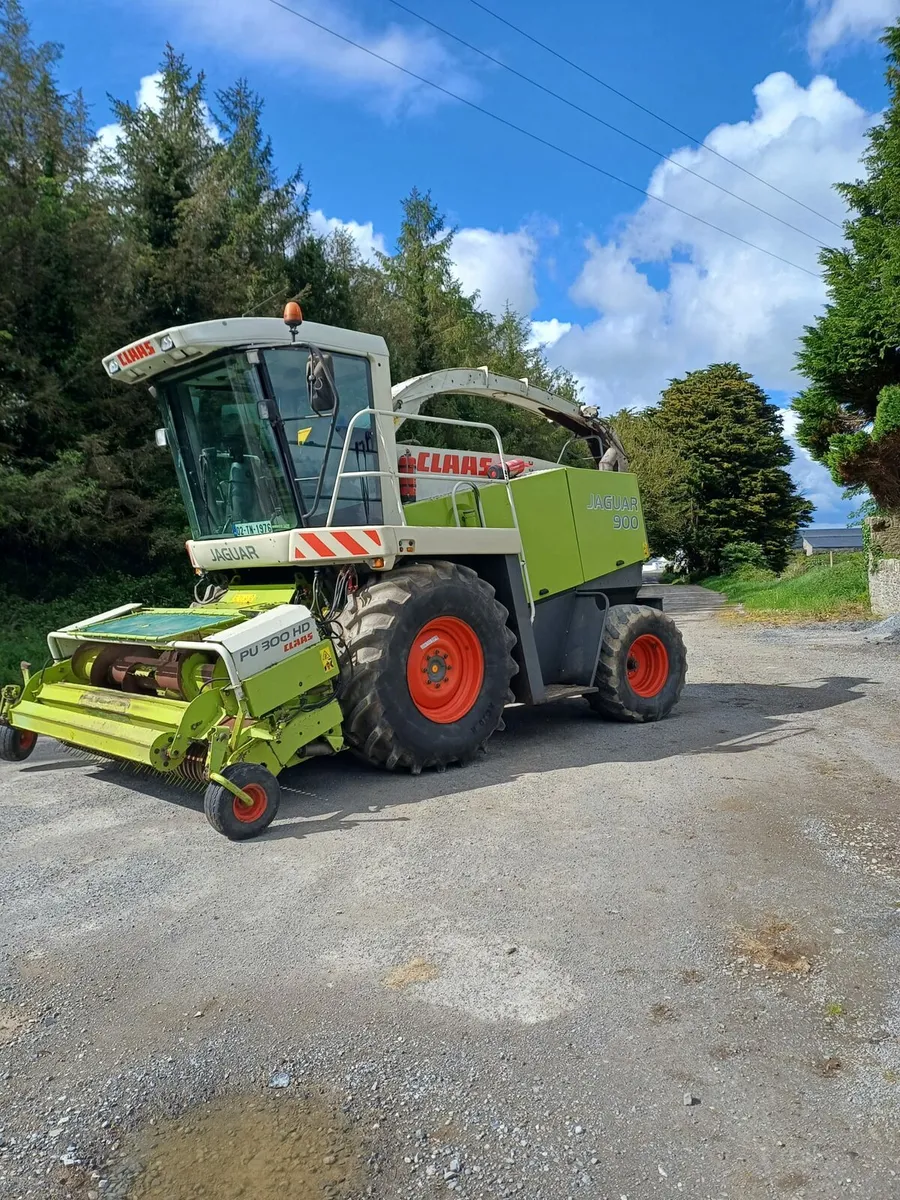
236,818
426,675
642,665
16,744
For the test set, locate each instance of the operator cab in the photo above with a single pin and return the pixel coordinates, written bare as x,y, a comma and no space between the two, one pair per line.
257,429
252,453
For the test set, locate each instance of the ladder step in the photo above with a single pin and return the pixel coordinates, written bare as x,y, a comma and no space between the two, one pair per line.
565,691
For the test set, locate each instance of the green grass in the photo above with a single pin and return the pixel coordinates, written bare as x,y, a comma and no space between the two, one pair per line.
26,622
807,588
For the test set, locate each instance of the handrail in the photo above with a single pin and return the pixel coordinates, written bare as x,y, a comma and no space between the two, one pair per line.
479,511
343,474
580,437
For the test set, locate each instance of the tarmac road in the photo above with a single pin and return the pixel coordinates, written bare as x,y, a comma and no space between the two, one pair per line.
603,961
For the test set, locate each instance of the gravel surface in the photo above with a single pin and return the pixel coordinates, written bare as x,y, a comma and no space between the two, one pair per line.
602,961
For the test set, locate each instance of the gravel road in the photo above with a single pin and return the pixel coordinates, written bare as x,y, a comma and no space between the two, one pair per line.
602,961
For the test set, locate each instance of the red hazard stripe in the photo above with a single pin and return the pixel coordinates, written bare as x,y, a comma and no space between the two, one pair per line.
315,543
348,542
373,534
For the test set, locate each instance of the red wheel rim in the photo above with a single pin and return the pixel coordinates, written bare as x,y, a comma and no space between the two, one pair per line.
251,812
648,665
26,739
445,670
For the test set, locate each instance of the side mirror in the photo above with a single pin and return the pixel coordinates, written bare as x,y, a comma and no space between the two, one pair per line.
267,410
161,438
323,396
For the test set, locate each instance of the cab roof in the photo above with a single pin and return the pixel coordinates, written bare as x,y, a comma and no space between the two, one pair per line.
141,360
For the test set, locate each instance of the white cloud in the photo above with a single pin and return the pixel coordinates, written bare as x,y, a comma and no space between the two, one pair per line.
548,333
709,298
837,21
497,265
148,95
368,242
267,34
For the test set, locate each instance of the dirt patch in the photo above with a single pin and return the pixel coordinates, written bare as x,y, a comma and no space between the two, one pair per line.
738,615
662,1012
733,804
723,1052
792,1181
264,1148
829,1067
417,970
13,1022
774,948
692,975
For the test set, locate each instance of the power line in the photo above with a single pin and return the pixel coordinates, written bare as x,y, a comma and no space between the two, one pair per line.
600,121
649,111
536,138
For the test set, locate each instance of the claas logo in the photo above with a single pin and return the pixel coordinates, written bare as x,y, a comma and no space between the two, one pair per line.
134,354
439,463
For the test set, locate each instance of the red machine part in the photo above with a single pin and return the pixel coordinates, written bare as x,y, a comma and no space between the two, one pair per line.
407,466
514,467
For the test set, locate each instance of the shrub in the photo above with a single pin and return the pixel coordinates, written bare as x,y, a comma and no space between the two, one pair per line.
738,556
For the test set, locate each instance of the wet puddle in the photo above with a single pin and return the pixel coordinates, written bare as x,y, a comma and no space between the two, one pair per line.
252,1148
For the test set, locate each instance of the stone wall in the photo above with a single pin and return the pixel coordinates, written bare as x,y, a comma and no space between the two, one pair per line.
884,586
884,565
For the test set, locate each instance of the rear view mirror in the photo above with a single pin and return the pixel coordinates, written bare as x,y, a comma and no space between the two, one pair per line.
323,396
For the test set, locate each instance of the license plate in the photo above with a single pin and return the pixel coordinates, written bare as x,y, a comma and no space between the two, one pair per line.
249,528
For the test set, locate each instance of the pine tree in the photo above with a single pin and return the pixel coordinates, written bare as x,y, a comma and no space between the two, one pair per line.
420,276
738,486
253,221
58,302
156,174
663,475
851,411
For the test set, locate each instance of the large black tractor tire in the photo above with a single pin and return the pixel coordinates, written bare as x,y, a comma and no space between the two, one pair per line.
426,672
643,662
16,744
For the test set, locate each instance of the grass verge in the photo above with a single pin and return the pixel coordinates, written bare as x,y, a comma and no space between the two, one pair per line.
808,589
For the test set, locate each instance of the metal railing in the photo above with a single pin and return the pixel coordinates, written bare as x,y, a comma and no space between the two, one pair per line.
395,475
479,510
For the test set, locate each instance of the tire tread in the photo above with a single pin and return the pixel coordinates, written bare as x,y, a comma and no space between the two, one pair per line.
367,626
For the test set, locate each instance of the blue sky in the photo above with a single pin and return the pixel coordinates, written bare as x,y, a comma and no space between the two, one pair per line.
627,292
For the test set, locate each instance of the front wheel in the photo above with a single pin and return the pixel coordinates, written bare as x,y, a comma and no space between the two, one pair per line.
642,666
427,668
234,817
16,744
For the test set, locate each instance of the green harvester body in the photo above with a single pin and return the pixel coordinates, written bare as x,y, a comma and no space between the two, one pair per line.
303,502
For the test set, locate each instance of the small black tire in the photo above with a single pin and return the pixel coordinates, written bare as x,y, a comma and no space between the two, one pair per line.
392,718
229,815
16,744
642,666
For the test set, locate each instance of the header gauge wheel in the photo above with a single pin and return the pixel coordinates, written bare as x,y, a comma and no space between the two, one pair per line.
236,818
16,744
642,666
426,675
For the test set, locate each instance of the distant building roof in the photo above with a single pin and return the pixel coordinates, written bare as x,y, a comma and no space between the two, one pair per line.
834,539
